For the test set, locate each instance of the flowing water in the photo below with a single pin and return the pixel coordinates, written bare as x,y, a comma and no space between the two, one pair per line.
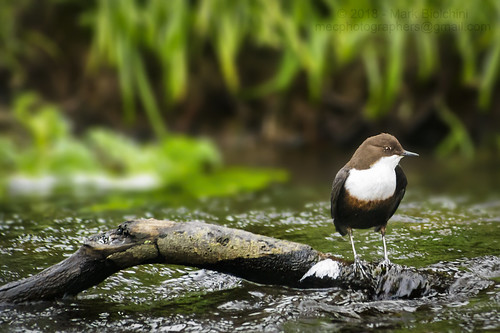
449,220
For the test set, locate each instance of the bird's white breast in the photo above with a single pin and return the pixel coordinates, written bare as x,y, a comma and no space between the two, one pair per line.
376,183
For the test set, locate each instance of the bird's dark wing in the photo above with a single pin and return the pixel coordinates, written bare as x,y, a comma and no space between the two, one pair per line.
338,184
399,193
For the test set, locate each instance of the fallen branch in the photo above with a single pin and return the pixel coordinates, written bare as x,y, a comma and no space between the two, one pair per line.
253,257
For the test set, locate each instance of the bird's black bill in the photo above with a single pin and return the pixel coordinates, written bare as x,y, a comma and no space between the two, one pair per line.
409,153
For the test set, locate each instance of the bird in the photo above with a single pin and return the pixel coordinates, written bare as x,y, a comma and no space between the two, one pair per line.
368,189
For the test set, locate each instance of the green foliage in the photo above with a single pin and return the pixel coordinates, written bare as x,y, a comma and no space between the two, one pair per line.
50,147
122,29
176,162
316,37
235,180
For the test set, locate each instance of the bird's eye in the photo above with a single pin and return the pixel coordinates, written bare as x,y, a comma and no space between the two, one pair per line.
387,148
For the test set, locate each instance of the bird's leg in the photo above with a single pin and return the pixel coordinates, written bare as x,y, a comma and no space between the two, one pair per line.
386,258
357,262
349,230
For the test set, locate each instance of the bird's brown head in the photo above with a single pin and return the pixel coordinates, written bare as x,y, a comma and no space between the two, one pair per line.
375,147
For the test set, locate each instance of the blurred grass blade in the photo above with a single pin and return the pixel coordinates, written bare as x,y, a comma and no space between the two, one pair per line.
287,70
374,77
148,99
228,38
125,76
458,137
467,52
394,70
427,54
490,73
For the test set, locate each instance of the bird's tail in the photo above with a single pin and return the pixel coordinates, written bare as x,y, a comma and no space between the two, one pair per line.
342,230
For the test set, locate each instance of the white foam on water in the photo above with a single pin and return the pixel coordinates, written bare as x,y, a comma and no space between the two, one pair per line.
324,268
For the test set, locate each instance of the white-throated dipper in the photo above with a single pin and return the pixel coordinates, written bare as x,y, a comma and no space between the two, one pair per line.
368,189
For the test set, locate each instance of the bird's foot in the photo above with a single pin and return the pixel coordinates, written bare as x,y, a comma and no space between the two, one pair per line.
383,266
359,270
385,263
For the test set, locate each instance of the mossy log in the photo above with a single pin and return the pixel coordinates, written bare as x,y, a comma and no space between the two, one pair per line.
250,256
